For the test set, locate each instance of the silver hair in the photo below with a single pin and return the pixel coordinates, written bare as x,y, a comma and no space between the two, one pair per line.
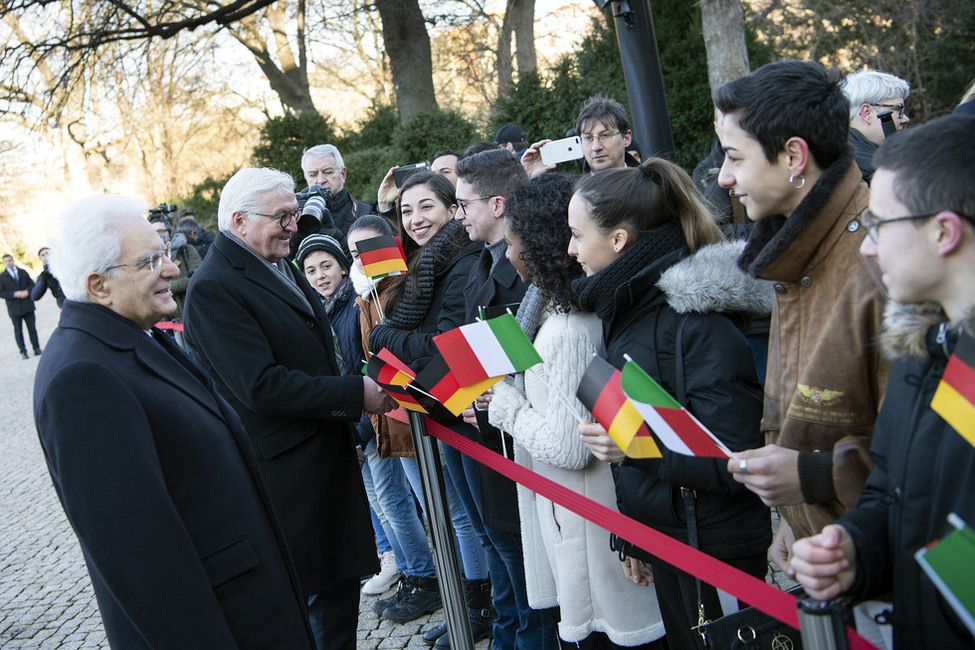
320,151
90,240
872,87
246,191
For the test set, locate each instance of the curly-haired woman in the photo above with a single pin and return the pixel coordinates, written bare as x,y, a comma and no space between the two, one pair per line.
568,562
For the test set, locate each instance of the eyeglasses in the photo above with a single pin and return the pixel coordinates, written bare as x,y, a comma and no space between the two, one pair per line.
151,262
872,223
283,219
895,108
587,138
462,203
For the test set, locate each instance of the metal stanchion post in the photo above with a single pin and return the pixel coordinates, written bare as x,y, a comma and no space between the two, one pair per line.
822,624
444,550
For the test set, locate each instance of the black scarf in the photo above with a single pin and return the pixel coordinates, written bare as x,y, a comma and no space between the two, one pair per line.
418,292
650,256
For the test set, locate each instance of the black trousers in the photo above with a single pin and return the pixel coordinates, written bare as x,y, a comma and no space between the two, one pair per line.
677,597
334,616
19,331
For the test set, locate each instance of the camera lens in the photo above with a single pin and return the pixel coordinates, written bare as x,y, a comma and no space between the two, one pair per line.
312,213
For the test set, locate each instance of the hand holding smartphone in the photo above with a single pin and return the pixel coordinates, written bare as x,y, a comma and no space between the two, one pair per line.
562,150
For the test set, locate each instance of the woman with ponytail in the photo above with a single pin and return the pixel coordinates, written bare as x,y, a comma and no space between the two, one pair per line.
667,289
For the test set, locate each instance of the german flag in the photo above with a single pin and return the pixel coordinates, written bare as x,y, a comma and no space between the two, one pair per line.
954,399
381,256
601,391
439,382
393,375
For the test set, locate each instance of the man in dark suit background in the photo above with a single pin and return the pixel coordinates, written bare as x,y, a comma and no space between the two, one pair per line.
260,330
15,286
153,468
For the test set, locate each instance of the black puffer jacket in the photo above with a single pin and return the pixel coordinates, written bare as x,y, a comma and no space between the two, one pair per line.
710,301
924,470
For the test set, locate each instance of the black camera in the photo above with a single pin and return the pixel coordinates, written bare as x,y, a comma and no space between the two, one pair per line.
161,213
313,213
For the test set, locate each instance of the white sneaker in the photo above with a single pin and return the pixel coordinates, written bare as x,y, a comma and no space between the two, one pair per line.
386,578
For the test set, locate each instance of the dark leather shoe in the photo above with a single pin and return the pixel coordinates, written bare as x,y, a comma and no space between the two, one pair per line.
23,355
37,352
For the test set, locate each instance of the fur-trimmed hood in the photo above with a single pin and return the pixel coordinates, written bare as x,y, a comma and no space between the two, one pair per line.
710,280
907,328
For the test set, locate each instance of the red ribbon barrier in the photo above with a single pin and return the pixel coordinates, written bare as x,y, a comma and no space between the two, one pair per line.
757,593
169,325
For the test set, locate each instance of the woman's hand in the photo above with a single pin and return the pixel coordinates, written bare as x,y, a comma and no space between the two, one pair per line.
637,572
600,444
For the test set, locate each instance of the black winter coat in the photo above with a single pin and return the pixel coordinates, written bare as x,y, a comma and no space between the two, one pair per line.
923,471
447,309
16,306
272,357
699,298
160,483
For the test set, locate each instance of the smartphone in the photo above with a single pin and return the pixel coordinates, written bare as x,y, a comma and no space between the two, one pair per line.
887,123
400,174
561,150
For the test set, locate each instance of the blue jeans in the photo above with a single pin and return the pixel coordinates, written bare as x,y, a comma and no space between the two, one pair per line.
518,625
395,500
379,523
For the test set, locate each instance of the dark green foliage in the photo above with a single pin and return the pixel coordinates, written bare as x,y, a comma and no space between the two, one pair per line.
377,129
424,133
204,201
367,167
283,139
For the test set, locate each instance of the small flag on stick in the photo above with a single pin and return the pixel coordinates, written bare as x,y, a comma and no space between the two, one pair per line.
381,256
393,375
671,423
601,392
954,399
439,382
487,348
950,564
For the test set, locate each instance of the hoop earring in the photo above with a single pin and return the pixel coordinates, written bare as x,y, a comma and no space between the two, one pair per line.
792,181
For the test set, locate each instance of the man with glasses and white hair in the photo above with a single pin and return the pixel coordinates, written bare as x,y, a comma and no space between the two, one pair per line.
259,329
875,98
322,165
154,470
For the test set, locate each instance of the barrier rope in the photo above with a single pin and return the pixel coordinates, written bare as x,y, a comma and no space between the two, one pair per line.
169,325
747,588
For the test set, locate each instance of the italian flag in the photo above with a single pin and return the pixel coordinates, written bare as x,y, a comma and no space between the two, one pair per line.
489,348
672,424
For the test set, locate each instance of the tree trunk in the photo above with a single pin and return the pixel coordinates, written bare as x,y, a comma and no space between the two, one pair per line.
723,23
505,71
523,20
289,79
408,47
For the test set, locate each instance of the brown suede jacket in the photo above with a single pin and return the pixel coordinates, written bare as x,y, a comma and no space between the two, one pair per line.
393,437
826,374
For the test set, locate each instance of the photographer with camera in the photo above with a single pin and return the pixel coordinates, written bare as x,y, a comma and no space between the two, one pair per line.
182,254
322,166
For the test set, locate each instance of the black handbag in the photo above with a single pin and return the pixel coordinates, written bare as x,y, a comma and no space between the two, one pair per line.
746,629
752,629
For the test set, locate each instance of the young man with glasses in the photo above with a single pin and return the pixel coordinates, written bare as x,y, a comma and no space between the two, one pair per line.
922,235
873,97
